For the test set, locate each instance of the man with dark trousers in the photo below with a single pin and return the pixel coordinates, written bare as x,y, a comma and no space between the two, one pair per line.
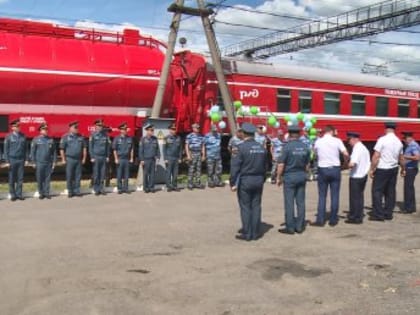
411,166
359,165
149,153
123,156
328,149
384,171
293,164
73,151
99,150
247,176
172,154
15,156
43,155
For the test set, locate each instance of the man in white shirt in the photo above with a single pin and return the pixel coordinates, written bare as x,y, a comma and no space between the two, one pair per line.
359,165
384,171
328,149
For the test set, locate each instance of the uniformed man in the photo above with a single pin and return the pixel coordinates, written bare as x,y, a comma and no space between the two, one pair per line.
260,136
43,155
15,156
212,145
277,145
384,171
328,149
359,165
411,159
194,148
149,153
99,150
172,154
73,151
293,164
234,142
122,147
247,177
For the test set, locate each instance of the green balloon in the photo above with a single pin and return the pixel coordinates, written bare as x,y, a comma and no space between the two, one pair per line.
312,137
312,132
300,116
287,117
272,120
254,110
237,104
313,120
215,117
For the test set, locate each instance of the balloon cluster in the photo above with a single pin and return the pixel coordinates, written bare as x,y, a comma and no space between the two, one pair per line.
216,116
253,111
308,121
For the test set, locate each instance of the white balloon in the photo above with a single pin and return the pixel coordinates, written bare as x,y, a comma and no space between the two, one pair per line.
222,125
214,109
290,123
264,129
277,124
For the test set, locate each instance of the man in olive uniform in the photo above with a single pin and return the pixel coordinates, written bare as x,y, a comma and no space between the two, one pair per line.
293,165
149,152
123,156
212,145
172,154
247,177
411,159
99,150
73,151
43,155
194,148
15,155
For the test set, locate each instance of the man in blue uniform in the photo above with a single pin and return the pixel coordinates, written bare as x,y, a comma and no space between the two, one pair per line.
194,148
149,152
247,177
123,156
172,154
411,158
212,144
235,141
292,169
277,145
43,155
15,155
260,136
99,150
73,151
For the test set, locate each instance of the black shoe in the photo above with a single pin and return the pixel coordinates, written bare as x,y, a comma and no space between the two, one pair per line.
13,199
97,193
78,195
211,185
373,218
176,189
41,197
241,231
70,196
199,186
103,193
388,218
21,198
300,231
286,231
190,187
146,191
48,197
127,192
169,189
119,192
242,238
350,221
317,224
333,223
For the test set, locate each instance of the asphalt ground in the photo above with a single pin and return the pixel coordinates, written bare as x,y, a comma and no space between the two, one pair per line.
175,253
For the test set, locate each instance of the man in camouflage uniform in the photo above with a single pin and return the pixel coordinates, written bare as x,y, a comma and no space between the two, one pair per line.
212,144
194,148
43,154
277,145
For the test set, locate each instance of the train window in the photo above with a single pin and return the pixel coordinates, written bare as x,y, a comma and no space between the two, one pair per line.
332,103
381,106
283,100
358,105
403,108
305,100
418,109
4,123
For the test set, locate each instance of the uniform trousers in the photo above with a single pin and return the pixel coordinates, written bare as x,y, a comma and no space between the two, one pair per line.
16,171
172,168
294,191
357,198
214,171
43,178
409,189
328,177
384,185
123,174
73,175
149,171
99,168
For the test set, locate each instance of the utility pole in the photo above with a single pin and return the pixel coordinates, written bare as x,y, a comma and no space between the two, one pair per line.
178,9
160,92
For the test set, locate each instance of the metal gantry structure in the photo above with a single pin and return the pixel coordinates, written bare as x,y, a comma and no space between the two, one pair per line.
369,20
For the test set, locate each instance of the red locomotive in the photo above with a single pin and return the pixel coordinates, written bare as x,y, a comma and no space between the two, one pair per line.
57,74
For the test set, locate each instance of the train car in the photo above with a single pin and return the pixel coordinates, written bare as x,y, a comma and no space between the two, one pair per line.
349,101
57,74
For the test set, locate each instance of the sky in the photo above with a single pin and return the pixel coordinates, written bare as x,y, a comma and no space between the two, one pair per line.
402,61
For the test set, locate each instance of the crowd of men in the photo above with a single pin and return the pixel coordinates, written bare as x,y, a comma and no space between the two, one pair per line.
292,156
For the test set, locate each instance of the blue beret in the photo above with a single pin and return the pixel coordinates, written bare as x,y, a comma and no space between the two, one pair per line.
248,128
148,126
353,134
123,126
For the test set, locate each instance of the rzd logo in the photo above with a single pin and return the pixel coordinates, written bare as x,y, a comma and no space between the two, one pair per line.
254,93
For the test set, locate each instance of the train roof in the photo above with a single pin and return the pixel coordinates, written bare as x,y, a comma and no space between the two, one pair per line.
318,74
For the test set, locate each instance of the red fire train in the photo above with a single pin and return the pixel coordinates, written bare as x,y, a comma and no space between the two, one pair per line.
57,74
